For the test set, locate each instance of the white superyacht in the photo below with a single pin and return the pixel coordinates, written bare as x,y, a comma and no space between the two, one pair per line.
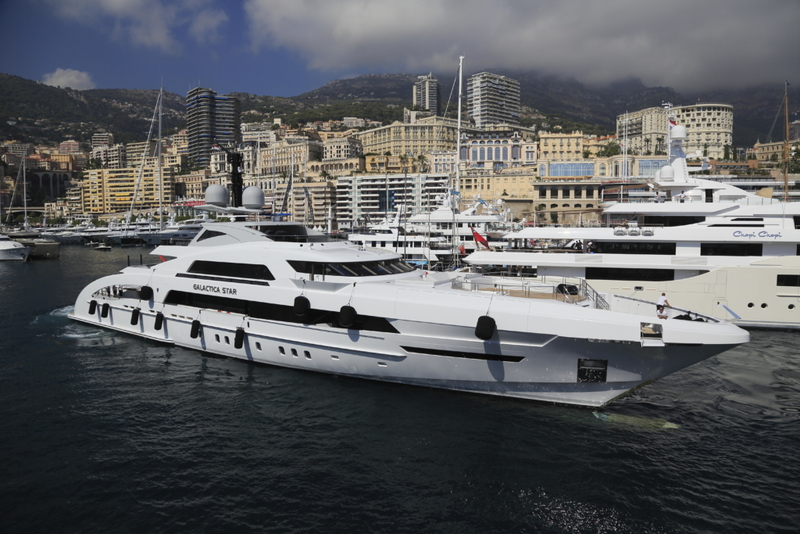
710,246
281,294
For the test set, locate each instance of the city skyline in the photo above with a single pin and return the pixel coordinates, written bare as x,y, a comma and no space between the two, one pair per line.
277,48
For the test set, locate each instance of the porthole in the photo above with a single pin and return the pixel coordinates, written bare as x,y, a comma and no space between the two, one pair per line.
791,306
294,353
307,354
281,350
227,340
258,345
763,304
216,337
749,304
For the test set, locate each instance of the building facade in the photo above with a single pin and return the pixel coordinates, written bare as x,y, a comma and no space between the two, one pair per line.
371,197
427,93
709,126
493,99
106,191
420,138
210,120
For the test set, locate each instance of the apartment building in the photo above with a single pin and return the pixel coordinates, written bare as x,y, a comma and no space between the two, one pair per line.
427,93
493,99
211,120
371,197
709,126
111,157
102,139
105,191
420,138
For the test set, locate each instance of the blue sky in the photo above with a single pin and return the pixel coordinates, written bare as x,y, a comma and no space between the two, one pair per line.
288,47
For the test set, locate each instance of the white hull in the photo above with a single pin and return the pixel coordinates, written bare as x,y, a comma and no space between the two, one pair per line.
417,329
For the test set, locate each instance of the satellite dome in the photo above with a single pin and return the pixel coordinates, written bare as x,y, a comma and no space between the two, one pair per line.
253,198
666,173
217,195
678,133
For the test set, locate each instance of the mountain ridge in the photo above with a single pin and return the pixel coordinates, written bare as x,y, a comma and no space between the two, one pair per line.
43,113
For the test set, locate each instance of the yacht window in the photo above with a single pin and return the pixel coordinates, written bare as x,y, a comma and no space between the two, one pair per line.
208,234
730,249
789,280
650,275
602,247
238,270
365,268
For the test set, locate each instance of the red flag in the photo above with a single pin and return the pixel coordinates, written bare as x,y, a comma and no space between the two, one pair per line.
462,250
479,239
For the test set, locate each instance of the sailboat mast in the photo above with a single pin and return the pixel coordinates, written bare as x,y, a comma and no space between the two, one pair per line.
158,154
786,143
457,183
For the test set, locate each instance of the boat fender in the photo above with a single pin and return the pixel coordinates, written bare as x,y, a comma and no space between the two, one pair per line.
104,310
146,293
301,306
92,307
485,328
347,316
195,329
159,321
135,316
238,340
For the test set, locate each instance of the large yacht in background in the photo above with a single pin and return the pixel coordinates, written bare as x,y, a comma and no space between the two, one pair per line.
421,249
710,246
10,250
281,294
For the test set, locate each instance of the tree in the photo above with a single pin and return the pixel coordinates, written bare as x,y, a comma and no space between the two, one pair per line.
727,153
611,149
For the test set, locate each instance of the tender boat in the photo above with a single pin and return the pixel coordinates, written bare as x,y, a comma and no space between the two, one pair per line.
282,294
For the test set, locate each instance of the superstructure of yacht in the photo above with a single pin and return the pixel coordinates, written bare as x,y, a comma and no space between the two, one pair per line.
710,246
281,294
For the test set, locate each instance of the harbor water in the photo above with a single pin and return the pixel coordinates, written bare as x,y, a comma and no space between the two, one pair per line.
104,432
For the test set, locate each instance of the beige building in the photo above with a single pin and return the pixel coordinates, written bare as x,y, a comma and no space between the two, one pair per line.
709,126
308,203
422,137
561,146
105,191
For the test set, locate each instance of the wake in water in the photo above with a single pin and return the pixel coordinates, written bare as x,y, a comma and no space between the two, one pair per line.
78,333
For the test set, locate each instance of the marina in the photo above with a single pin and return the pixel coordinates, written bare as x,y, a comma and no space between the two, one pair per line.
100,425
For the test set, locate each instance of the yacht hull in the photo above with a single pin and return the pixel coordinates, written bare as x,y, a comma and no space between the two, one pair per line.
428,337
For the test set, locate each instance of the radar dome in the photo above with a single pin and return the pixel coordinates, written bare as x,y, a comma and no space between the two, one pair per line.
217,195
678,133
253,198
666,173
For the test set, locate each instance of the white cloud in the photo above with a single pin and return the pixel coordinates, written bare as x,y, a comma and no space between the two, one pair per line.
680,43
74,79
148,23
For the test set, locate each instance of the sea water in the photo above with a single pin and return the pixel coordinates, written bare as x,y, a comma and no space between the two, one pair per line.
104,432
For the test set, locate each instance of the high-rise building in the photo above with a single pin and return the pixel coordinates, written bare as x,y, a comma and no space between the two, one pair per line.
493,99
427,93
211,120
